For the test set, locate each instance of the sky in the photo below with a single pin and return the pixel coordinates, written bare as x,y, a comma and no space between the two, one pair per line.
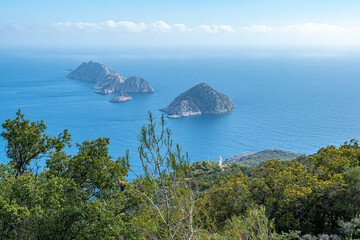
185,23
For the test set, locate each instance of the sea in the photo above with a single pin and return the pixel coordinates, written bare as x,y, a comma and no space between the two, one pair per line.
298,101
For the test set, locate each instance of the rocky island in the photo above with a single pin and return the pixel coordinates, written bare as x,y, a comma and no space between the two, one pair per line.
122,97
108,81
200,99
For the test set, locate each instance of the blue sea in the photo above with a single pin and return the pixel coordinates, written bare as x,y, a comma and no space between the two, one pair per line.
292,102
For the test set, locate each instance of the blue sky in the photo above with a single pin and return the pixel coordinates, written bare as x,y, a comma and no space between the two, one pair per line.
210,23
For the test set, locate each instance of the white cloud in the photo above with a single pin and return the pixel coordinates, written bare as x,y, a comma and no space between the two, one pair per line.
160,26
82,26
162,33
315,28
112,26
85,25
110,23
259,28
125,26
216,28
180,27
131,27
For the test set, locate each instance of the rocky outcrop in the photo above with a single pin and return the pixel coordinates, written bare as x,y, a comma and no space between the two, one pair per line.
136,84
110,84
108,81
94,72
201,99
122,97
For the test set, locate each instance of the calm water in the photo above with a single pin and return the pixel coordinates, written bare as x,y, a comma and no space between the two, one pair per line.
295,104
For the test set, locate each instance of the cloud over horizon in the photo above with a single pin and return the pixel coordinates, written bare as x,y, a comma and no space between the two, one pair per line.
132,27
259,28
162,26
217,28
163,33
316,28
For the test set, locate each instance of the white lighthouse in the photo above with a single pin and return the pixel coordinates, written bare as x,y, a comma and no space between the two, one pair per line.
221,164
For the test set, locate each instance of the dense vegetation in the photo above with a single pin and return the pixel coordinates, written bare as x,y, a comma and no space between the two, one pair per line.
87,196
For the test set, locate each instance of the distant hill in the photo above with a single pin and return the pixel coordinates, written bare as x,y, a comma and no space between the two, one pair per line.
254,158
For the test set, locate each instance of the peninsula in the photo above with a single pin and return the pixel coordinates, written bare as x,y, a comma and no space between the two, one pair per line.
254,158
200,99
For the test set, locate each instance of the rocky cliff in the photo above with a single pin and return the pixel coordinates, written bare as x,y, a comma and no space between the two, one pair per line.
136,84
94,72
200,99
108,81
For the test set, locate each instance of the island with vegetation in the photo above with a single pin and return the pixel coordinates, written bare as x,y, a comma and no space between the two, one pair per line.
87,195
200,99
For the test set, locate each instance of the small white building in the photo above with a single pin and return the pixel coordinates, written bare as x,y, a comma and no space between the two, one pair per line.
221,164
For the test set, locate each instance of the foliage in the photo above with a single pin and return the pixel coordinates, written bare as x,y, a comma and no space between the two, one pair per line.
87,196
75,197
168,197
351,229
332,160
230,198
38,207
26,141
288,190
345,202
208,174
253,225
92,169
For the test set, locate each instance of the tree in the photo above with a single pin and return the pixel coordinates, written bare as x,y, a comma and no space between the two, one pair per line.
75,197
295,196
344,203
168,197
253,225
92,168
230,198
26,141
332,160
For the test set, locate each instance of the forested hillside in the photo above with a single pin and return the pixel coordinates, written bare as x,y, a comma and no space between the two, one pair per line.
87,195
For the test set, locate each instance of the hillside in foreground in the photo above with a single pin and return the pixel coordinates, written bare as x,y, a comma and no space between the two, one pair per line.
86,195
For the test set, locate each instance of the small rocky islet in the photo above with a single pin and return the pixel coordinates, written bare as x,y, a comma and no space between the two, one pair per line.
122,97
200,99
107,81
